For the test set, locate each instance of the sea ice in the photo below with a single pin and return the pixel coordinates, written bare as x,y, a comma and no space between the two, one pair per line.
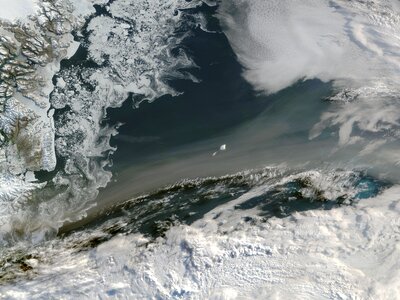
12,10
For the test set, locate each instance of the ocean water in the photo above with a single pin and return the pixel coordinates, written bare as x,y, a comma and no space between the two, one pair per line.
229,150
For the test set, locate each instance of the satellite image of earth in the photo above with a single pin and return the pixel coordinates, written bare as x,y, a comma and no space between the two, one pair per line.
198,149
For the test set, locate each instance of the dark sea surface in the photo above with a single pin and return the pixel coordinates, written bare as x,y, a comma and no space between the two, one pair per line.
174,138
191,126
